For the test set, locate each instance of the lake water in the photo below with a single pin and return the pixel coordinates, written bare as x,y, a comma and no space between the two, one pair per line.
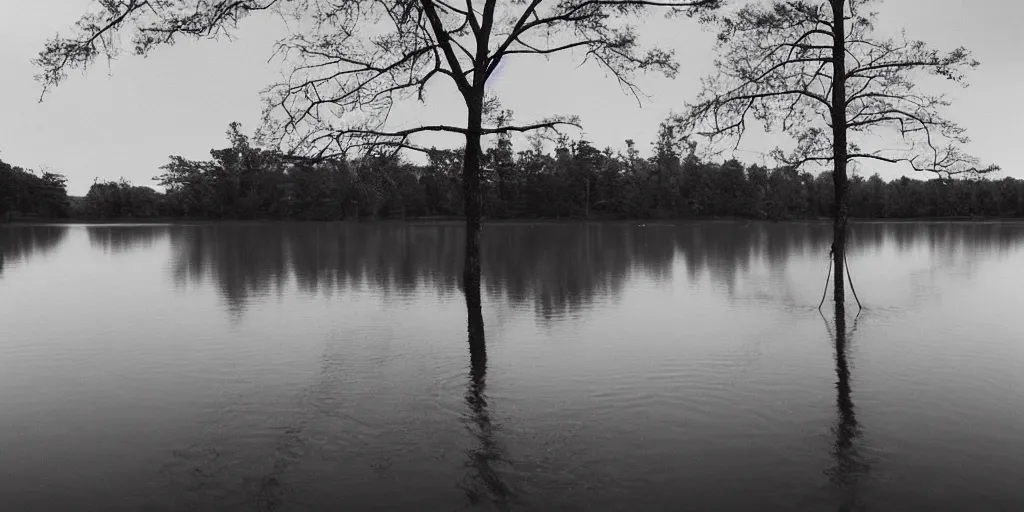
660,367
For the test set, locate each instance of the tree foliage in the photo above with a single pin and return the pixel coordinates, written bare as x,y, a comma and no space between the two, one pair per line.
24,193
575,180
121,200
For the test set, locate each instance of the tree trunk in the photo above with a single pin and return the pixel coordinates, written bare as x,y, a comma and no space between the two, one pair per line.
473,211
839,149
472,200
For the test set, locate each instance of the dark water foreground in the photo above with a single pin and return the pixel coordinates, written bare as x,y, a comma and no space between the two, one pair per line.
664,367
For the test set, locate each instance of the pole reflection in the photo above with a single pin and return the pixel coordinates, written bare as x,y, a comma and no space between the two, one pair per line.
848,463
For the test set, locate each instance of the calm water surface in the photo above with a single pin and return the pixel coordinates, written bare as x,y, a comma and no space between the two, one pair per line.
660,367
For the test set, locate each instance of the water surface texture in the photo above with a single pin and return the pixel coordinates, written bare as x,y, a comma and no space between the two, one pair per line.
628,367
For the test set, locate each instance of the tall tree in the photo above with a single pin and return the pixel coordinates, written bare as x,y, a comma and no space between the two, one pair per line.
814,70
354,59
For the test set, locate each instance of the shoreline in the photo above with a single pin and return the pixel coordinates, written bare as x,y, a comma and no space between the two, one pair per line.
459,220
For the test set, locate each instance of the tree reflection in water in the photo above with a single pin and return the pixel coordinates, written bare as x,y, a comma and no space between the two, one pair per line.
849,465
20,243
484,481
554,269
119,239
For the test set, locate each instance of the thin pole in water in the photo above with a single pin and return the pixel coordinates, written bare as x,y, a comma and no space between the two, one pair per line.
828,275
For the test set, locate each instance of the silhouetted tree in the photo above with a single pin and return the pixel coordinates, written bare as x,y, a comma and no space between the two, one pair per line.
25,193
813,69
121,199
355,59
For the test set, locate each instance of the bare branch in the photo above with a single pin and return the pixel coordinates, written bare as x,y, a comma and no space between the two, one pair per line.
352,61
774,67
154,22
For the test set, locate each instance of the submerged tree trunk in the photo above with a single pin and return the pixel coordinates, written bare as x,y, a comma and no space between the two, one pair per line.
839,150
475,397
475,326
471,266
474,316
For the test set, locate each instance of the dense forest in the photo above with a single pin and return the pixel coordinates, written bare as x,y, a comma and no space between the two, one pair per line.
24,193
576,180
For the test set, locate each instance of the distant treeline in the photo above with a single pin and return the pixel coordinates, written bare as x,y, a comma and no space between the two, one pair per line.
577,180
25,193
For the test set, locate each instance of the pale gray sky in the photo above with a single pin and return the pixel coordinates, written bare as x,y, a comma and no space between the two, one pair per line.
180,100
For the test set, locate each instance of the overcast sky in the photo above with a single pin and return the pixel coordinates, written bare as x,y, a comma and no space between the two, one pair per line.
125,122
